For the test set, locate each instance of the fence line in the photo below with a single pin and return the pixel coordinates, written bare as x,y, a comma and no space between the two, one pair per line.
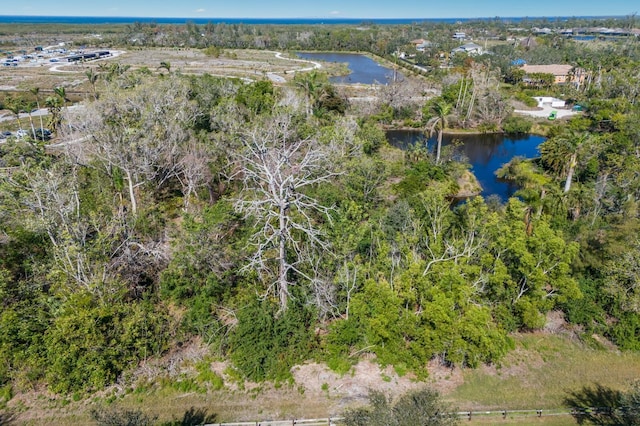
469,415
576,412
329,421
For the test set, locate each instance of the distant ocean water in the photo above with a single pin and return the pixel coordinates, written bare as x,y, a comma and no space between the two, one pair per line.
88,20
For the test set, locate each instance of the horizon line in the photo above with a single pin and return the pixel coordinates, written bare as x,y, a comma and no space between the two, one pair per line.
331,17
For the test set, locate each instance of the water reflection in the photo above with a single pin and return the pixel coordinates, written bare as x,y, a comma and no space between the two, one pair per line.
364,70
486,153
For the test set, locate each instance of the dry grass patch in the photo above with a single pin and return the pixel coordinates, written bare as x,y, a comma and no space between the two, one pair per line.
542,372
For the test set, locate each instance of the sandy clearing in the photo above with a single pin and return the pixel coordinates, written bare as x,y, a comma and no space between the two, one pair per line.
545,110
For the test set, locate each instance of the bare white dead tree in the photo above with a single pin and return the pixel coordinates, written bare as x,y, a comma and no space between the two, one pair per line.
276,167
141,132
96,252
193,170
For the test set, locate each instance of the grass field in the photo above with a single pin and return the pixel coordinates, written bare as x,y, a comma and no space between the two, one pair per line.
544,372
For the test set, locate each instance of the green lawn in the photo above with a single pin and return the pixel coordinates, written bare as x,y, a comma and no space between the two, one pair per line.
544,372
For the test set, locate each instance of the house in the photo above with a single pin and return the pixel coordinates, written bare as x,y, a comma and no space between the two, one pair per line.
459,35
548,100
469,48
421,44
541,31
561,73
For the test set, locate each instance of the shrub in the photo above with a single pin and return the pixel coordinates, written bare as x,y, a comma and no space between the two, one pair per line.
418,177
516,125
526,99
420,407
630,402
206,375
90,344
192,417
266,344
371,137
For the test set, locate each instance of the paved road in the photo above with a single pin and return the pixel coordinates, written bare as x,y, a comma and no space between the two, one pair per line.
37,113
546,110
279,79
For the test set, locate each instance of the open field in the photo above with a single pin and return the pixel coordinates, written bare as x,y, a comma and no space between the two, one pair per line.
544,372
250,64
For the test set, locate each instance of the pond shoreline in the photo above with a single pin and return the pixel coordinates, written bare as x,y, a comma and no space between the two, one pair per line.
364,69
458,132
484,152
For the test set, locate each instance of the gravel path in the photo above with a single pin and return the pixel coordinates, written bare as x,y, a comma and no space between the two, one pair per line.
546,110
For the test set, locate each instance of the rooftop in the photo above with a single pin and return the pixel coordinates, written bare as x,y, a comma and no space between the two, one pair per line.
555,69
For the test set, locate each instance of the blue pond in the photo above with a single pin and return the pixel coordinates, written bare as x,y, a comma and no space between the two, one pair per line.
364,70
486,153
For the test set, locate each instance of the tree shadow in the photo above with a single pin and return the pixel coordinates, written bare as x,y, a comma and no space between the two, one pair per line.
194,416
596,405
7,418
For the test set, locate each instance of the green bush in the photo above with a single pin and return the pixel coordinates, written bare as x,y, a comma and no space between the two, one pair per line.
418,177
266,343
371,137
206,375
6,393
88,344
488,127
630,402
625,331
342,338
516,125
420,407
526,99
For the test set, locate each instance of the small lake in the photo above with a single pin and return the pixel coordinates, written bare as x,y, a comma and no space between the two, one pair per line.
486,153
364,70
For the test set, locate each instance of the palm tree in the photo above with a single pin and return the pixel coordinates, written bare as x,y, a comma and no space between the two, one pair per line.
36,91
311,84
113,70
533,183
166,65
61,92
28,108
92,76
441,112
15,104
562,152
54,104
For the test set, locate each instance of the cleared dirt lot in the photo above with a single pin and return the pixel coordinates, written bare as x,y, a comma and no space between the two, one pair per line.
250,64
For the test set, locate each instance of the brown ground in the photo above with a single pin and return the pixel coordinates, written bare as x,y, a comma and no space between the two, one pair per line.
254,64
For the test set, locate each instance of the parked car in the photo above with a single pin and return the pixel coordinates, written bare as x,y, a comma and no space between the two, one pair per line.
21,133
553,115
5,134
43,134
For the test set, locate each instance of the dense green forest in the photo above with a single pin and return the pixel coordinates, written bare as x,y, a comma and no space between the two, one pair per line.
275,222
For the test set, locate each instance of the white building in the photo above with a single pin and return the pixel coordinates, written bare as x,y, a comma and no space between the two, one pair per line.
548,100
469,48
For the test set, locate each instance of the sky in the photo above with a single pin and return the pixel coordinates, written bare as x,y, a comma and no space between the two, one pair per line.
319,8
